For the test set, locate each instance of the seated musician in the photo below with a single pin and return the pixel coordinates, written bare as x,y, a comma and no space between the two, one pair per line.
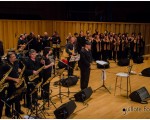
2,92
12,79
33,67
46,73
71,51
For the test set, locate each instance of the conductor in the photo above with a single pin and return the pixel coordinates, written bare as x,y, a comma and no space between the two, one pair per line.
84,65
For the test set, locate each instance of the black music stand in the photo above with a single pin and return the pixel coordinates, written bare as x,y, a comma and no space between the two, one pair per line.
49,99
103,63
15,113
59,73
35,109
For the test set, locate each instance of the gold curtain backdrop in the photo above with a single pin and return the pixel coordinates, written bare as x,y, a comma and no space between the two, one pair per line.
11,29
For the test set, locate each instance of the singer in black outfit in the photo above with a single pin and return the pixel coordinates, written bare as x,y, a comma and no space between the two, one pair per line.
12,79
84,65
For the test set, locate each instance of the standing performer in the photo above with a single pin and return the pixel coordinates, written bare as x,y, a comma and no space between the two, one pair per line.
84,65
46,40
33,67
12,78
80,41
39,44
56,44
71,51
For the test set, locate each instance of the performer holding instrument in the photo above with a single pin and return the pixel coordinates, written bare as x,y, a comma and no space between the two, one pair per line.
70,50
32,76
46,73
3,85
12,79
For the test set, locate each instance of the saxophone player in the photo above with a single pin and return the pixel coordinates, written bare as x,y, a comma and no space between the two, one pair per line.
12,78
32,66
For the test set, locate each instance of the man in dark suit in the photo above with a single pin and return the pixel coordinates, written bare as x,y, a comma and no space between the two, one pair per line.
84,64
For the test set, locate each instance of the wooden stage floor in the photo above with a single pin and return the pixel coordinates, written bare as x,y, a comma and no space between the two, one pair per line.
101,104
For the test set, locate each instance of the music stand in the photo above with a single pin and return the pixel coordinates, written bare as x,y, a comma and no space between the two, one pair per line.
103,63
59,73
36,105
49,99
16,94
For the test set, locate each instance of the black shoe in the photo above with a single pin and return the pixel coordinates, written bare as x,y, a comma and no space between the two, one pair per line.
9,115
20,112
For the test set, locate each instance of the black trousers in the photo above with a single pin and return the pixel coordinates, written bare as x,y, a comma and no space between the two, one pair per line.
71,68
85,75
31,98
46,87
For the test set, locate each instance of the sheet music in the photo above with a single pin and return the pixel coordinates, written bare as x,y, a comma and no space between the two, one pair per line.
101,62
75,58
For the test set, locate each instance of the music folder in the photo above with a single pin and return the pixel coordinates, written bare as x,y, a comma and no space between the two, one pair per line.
75,58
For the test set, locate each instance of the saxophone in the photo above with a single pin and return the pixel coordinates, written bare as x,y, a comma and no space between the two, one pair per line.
17,85
2,82
33,77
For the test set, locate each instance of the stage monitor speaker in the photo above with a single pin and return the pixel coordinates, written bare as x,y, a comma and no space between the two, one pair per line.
124,62
70,81
65,110
140,95
146,72
138,60
83,95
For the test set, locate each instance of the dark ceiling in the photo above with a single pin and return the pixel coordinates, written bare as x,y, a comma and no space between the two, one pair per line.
109,11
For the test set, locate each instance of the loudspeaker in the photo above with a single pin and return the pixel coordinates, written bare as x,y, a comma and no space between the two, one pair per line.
138,60
65,110
139,95
83,95
146,72
102,66
124,62
70,81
